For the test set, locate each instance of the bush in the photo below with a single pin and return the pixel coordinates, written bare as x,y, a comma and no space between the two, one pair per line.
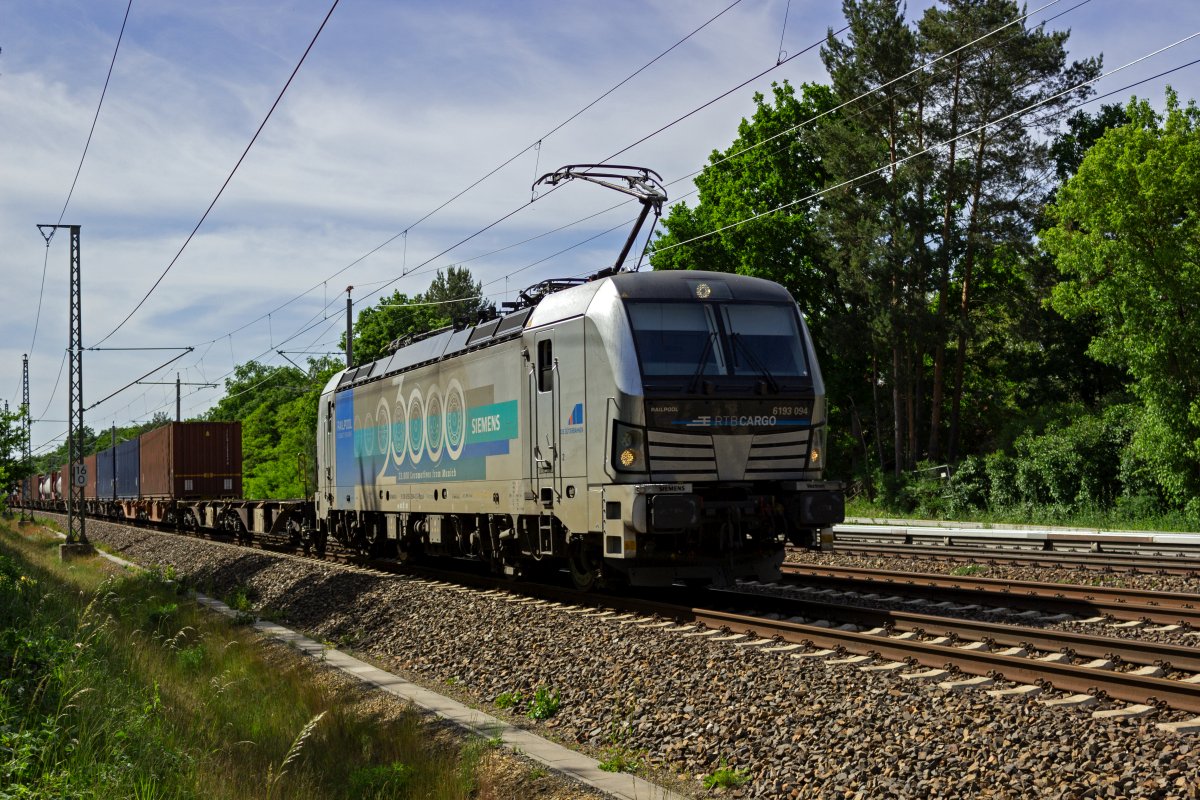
1002,481
967,489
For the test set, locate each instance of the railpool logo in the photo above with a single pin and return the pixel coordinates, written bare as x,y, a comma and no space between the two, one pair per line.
574,422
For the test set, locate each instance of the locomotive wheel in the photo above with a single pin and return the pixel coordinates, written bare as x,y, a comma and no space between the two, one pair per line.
584,566
378,545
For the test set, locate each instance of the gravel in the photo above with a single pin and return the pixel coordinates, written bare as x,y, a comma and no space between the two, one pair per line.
798,727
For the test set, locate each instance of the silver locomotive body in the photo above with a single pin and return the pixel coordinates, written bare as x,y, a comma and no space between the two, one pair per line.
643,427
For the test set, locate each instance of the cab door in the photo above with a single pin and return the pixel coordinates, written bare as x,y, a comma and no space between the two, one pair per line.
544,392
328,446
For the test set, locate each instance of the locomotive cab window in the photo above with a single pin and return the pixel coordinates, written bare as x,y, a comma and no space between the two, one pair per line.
545,365
764,338
727,338
677,338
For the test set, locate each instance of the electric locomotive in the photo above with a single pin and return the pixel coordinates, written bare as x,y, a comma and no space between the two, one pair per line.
640,428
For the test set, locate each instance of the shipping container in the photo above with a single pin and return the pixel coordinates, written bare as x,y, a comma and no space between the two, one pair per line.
192,460
89,490
106,463
128,469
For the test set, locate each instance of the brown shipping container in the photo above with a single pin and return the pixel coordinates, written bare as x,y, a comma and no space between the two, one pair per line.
89,463
192,460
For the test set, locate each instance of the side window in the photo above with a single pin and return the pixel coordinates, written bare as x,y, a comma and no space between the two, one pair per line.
329,419
545,366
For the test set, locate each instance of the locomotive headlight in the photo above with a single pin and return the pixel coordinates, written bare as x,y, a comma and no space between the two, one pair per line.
628,448
815,458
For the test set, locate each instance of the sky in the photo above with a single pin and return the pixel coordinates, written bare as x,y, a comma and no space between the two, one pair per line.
398,108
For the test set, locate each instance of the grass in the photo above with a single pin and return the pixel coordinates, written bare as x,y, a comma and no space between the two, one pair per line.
969,569
115,685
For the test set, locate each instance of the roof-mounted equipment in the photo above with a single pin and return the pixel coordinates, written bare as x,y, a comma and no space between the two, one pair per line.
640,182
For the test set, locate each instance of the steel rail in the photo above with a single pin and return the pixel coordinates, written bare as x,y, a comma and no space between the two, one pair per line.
1116,602
1126,686
1025,557
1132,651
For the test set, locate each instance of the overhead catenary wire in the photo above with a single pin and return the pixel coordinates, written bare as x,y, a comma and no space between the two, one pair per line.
404,233
229,177
879,170
495,281
70,192
419,267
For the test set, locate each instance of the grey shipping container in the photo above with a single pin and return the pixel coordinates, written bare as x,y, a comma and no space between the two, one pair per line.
129,469
106,487
192,460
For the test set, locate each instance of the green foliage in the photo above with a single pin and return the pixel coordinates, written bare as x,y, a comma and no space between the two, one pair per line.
191,658
725,777
621,759
544,704
969,569
453,298
241,598
1126,236
507,700
967,489
1001,473
161,615
12,439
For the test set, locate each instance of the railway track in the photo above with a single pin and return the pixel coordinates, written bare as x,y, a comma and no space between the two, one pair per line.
956,652
1097,562
1130,605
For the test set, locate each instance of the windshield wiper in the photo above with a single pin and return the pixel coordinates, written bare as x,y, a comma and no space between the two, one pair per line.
708,345
754,362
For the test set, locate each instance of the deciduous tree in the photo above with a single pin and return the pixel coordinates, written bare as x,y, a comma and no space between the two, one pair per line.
1126,235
